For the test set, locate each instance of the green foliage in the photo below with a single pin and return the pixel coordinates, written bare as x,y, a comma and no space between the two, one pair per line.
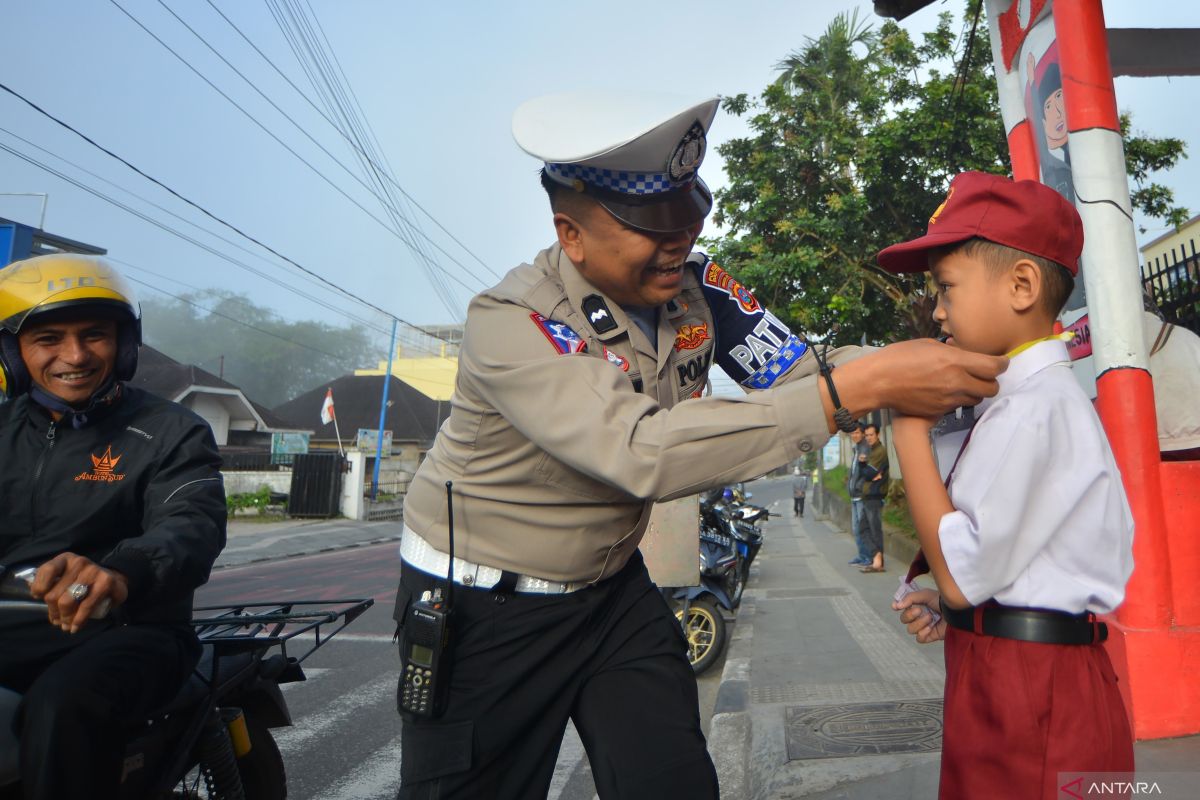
259,500
1144,155
271,367
851,148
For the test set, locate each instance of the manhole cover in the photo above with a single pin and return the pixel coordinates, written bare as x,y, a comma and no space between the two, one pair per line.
863,729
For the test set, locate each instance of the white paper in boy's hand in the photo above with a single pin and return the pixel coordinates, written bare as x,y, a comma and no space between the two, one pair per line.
907,588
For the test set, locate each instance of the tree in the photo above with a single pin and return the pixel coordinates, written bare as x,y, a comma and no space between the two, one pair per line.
271,359
851,147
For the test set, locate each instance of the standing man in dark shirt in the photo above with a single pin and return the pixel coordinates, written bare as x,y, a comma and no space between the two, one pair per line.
854,487
114,495
874,472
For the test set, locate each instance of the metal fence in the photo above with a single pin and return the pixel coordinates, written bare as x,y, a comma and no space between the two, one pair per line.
1173,282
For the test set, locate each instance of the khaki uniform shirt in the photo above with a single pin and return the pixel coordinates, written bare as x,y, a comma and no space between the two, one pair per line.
566,424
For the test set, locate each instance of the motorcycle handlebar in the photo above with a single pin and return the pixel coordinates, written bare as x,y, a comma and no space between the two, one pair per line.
15,594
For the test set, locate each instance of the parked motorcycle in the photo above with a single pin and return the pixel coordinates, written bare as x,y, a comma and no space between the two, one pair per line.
214,739
727,547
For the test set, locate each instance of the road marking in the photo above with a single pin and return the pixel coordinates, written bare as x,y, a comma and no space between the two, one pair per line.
291,740
376,777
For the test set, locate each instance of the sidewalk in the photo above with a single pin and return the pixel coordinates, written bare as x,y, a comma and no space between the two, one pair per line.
251,541
825,696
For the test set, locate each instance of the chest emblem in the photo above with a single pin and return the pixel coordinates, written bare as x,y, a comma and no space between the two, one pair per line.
564,339
620,361
720,279
102,468
689,337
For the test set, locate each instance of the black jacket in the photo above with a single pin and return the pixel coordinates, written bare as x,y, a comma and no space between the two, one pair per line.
138,490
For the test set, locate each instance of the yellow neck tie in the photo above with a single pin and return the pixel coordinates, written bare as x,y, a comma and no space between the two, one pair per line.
1065,336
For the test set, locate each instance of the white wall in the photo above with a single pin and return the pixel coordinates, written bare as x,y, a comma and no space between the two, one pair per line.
214,413
247,482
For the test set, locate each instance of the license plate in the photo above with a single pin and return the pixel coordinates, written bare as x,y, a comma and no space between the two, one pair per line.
715,538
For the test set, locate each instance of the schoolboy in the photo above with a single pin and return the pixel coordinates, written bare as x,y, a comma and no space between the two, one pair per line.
1029,535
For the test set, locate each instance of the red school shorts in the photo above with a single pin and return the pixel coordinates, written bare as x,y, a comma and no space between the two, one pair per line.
1019,713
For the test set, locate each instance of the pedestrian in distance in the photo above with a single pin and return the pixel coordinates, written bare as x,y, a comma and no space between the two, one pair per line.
799,488
873,474
854,481
579,403
115,496
1028,533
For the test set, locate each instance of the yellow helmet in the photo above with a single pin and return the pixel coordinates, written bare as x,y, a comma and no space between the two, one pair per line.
64,281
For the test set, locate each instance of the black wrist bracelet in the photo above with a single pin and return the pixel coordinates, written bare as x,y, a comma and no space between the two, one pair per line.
841,416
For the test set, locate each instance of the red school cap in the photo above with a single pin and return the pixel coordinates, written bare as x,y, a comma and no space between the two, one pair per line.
1024,215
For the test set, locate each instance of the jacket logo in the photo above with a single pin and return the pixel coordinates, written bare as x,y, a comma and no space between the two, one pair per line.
102,468
720,279
689,337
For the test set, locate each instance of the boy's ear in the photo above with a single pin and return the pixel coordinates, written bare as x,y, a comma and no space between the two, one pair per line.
1025,282
570,236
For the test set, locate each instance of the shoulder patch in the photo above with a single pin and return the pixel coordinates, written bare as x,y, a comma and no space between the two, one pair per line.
791,352
561,337
596,310
718,278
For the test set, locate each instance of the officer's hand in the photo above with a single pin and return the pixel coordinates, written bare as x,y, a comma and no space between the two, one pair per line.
57,576
921,378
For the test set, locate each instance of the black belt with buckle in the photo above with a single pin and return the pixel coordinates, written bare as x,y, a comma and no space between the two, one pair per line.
1027,624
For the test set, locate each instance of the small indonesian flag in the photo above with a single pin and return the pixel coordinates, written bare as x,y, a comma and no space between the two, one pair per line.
327,408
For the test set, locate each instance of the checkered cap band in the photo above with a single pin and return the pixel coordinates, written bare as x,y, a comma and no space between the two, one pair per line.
616,180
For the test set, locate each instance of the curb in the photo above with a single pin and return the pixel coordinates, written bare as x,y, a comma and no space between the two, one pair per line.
731,732
312,552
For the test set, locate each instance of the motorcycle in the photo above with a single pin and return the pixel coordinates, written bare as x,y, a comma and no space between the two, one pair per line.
214,739
723,550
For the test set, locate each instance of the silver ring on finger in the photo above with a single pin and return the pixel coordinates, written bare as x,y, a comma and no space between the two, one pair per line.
78,591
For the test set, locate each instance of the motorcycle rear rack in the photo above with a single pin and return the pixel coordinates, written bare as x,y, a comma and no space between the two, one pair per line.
245,627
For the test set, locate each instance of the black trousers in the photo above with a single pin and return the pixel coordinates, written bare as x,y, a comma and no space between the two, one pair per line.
82,693
871,525
798,505
612,658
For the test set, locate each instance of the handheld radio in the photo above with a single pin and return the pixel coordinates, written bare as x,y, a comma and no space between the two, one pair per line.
424,652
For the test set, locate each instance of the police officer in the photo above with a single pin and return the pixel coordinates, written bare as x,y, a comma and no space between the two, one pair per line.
578,403
114,495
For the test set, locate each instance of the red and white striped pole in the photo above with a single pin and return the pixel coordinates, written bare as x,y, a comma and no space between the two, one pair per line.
1125,394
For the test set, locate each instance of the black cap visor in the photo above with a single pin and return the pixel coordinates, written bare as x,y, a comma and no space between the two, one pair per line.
658,213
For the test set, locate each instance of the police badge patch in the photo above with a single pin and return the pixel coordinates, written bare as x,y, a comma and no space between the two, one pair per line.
718,278
564,339
619,360
688,155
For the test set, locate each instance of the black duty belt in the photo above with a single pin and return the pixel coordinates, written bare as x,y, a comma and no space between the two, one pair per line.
1027,624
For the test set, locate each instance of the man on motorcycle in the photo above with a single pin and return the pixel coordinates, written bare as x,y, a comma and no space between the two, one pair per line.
116,496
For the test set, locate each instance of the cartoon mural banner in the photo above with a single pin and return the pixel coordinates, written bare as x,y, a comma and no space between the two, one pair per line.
1027,62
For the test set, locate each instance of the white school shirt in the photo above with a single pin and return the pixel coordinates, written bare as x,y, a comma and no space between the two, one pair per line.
1041,518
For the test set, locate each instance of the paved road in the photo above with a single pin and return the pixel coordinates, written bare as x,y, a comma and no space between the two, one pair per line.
345,743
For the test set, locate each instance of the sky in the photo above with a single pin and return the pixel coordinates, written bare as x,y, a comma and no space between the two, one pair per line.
436,83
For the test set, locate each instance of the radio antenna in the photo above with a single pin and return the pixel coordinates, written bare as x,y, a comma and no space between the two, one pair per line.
450,566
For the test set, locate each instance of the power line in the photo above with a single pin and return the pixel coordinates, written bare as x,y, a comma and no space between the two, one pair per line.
387,173
283,144
174,232
208,213
313,59
181,235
